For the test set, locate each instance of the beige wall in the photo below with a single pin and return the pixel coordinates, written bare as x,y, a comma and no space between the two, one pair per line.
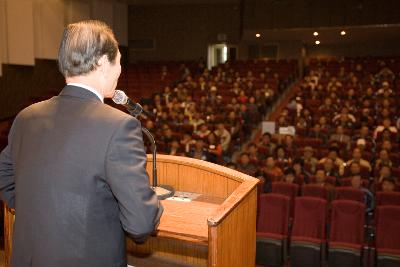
32,29
20,41
49,23
3,35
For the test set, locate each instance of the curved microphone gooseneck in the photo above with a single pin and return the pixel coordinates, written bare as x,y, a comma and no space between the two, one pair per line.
136,110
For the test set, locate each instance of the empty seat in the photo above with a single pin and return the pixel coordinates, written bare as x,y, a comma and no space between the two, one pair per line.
308,237
387,198
350,193
312,190
346,233
388,236
272,229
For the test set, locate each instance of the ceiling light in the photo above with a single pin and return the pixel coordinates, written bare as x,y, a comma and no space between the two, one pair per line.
315,33
317,42
258,35
342,33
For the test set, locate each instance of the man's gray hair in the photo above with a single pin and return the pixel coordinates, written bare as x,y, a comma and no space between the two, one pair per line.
83,44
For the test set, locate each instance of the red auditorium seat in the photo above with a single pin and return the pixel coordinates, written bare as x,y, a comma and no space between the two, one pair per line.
387,198
388,236
329,179
272,229
287,189
308,237
312,190
346,234
347,182
349,193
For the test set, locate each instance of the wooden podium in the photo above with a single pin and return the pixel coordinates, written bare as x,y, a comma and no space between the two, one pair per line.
216,228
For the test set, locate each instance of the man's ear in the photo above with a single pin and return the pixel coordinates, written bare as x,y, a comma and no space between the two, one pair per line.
102,64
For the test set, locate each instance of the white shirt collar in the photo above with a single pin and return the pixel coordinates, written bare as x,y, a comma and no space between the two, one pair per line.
91,89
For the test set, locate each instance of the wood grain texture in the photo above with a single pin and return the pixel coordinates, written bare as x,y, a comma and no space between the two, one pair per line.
218,229
186,219
8,230
197,176
170,249
232,242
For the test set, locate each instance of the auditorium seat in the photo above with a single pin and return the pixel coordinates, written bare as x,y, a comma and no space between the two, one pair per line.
346,237
312,190
347,182
349,193
288,189
388,236
387,198
272,229
308,238
329,179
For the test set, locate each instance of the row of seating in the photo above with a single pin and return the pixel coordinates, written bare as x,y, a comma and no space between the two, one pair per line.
319,232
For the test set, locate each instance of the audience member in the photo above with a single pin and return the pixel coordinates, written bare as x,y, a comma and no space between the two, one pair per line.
356,182
245,165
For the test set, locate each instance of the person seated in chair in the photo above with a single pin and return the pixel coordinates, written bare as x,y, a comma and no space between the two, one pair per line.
388,184
245,166
356,182
289,176
320,179
357,157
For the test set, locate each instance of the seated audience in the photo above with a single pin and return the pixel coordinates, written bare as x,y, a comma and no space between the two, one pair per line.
203,131
175,149
356,182
289,176
272,171
199,150
386,125
224,136
357,157
383,160
388,184
244,165
333,154
340,136
302,176
310,162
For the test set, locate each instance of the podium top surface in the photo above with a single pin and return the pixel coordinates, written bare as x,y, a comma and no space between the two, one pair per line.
186,220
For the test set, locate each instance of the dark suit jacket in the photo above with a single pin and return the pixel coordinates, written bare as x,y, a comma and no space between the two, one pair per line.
74,170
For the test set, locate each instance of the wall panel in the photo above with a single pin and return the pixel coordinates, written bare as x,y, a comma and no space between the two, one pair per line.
49,18
3,36
103,11
20,39
181,32
78,10
121,23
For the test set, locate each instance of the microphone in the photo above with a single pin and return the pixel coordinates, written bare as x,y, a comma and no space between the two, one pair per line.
134,108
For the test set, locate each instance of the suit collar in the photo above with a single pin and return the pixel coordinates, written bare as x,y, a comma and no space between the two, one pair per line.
79,92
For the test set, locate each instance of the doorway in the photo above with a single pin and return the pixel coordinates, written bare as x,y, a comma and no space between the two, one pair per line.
220,53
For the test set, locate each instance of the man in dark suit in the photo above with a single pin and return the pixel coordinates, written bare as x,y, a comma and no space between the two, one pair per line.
74,168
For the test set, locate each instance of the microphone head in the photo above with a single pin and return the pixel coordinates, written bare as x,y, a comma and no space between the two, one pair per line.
120,97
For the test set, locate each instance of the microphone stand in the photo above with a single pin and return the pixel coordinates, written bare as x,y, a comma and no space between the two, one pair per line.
162,191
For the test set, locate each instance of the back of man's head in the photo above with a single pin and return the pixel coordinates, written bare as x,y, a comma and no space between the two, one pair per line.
83,44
